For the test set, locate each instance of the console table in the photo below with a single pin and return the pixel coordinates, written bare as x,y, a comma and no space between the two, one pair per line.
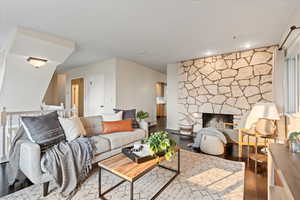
283,173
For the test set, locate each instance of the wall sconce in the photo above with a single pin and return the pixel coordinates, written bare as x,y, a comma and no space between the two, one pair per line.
37,62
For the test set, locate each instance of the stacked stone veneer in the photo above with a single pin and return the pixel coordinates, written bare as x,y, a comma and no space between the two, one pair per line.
226,84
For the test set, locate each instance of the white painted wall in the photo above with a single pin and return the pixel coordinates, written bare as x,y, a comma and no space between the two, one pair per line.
108,69
172,96
293,21
127,84
136,86
22,86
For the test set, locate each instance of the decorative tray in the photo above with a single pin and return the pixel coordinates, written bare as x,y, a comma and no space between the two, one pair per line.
136,158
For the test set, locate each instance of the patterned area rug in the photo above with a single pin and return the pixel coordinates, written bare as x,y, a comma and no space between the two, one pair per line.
202,177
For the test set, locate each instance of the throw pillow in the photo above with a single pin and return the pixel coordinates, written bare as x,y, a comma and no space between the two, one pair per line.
112,117
92,125
117,126
129,114
44,130
73,127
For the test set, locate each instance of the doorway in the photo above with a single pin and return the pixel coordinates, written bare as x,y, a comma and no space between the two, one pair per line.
77,95
161,100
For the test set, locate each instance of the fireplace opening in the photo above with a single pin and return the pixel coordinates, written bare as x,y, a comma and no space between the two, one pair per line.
217,120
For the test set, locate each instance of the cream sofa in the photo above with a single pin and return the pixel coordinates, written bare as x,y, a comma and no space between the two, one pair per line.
106,145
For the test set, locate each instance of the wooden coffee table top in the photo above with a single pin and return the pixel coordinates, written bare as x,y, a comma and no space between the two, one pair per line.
124,167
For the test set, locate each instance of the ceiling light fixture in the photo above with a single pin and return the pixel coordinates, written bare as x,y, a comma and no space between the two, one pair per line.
37,62
247,45
208,53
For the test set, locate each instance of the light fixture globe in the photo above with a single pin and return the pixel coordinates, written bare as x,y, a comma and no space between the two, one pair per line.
37,62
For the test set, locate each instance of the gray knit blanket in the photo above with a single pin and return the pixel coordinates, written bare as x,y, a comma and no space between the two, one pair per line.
68,163
15,174
208,131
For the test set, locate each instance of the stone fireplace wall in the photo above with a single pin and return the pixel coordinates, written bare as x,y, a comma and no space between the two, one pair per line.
225,84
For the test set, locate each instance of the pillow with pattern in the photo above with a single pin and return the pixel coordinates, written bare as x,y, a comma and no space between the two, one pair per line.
129,114
44,130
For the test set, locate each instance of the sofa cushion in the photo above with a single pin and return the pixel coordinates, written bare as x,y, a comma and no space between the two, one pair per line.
73,127
117,126
129,114
123,138
101,144
44,130
112,117
92,125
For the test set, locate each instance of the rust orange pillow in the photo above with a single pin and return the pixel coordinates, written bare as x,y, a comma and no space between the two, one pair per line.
117,126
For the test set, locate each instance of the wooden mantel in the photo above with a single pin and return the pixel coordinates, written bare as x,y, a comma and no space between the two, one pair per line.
283,167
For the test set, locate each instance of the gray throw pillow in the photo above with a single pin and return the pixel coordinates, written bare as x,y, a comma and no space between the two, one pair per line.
129,114
44,130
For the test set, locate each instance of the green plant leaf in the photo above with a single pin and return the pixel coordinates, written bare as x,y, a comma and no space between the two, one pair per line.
142,115
293,136
160,142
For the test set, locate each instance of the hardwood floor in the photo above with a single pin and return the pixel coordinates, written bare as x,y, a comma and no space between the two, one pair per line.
5,189
255,184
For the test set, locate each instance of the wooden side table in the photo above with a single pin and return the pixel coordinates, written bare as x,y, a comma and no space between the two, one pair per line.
256,156
246,132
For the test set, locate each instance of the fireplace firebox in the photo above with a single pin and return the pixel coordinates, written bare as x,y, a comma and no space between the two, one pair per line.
217,120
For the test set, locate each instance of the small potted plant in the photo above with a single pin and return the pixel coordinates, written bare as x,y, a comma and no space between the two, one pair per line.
141,115
161,145
294,140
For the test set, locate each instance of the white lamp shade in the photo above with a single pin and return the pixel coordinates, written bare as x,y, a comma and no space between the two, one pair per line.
265,110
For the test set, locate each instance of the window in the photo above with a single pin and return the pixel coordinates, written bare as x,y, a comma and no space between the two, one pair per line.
292,80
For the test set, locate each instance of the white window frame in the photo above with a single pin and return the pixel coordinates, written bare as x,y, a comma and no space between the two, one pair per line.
292,79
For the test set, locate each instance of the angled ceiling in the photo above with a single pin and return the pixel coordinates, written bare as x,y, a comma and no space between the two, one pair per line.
154,32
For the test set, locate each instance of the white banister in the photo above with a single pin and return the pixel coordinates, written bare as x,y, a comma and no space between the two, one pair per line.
75,111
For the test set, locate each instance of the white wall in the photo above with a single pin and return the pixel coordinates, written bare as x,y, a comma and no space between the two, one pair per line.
172,96
294,21
127,84
136,86
108,69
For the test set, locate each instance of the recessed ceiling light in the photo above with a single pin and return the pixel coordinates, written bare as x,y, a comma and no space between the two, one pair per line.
208,53
247,45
